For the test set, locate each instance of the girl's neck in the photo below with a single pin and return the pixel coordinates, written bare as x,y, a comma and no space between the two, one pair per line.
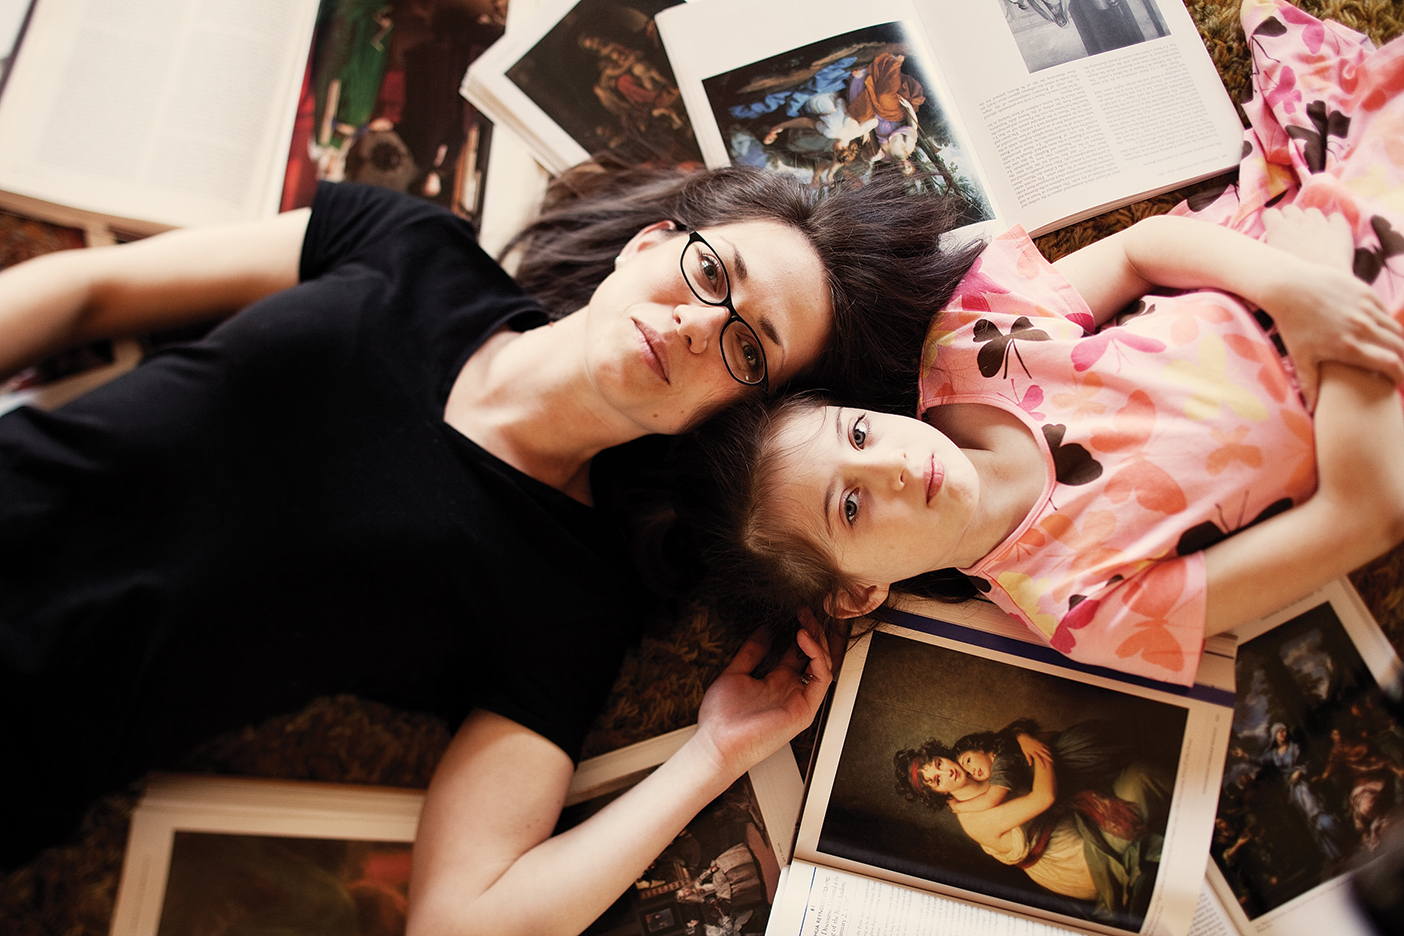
1009,462
526,398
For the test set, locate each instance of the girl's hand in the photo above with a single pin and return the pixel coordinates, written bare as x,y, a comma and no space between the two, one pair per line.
1322,311
1044,779
1032,747
744,718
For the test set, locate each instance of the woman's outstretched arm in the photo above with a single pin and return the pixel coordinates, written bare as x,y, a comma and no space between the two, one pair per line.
63,299
485,860
1322,311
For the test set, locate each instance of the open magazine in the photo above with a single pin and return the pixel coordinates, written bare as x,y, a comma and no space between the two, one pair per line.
1122,848
1042,113
144,116
1315,767
208,853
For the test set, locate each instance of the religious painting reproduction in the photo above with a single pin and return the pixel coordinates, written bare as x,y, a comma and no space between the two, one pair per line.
602,76
1315,765
938,749
382,105
843,108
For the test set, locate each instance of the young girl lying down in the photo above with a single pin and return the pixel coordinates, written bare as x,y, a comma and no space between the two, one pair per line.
1088,482
1125,490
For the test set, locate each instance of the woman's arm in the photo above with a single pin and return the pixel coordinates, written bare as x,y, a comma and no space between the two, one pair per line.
992,825
1323,313
62,299
484,858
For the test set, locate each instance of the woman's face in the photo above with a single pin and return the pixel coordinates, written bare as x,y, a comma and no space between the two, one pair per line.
652,347
888,497
977,764
943,776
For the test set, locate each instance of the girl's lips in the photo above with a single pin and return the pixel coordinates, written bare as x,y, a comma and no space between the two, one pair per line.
935,477
655,350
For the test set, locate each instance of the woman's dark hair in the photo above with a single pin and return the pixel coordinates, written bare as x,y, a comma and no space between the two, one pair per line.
762,567
907,761
880,247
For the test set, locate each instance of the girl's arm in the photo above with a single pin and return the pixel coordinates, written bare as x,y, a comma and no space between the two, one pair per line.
62,299
1356,514
1323,313
484,858
992,825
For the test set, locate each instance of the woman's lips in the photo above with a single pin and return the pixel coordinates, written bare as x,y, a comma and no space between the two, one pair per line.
935,476
655,350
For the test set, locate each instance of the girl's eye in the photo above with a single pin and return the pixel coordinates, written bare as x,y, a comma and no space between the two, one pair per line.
850,507
860,431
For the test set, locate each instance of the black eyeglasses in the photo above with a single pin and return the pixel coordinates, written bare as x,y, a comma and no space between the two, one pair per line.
741,348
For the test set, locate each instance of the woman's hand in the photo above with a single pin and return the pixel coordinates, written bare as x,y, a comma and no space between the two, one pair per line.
1322,311
744,718
1033,747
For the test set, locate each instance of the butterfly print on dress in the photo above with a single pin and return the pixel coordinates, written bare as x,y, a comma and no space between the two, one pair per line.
995,353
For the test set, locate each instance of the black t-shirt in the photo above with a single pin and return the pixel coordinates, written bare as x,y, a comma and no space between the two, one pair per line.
279,511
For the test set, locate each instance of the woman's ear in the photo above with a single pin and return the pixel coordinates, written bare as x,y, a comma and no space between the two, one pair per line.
656,233
861,600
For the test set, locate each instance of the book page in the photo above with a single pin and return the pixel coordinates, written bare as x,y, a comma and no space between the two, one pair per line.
174,112
818,901
826,94
1315,766
1078,105
1150,753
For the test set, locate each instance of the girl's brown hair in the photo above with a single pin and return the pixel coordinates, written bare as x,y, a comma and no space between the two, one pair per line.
762,567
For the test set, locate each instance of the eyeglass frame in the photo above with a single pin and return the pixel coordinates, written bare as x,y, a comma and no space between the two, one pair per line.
693,237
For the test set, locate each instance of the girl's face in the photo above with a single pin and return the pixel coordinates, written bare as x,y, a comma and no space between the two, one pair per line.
888,497
653,348
943,776
977,764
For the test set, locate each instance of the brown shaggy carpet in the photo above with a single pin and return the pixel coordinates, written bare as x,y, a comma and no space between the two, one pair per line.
70,890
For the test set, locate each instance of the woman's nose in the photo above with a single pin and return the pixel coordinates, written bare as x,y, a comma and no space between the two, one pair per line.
699,324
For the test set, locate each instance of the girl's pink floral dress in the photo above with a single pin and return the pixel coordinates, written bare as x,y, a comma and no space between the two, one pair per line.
1182,424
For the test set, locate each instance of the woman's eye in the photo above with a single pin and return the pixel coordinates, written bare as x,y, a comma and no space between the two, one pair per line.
850,506
752,356
712,273
860,432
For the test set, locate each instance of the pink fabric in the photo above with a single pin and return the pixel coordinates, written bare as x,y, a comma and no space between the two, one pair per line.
1181,426
1182,418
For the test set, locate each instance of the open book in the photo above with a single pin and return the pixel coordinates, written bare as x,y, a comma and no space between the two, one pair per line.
1315,768
144,116
1121,849
1042,113
208,852
1039,113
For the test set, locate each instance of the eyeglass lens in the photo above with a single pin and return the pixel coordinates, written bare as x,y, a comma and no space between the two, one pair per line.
707,278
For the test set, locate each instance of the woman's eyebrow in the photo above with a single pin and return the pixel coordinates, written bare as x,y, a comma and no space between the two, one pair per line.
762,321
